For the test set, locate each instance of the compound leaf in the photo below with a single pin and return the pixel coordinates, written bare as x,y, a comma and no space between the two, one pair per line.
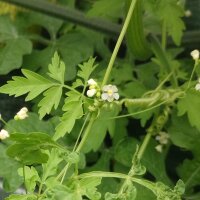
33,84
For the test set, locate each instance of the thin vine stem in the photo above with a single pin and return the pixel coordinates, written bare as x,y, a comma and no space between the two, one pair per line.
81,131
86,133
103,174
144,145
119,42
192,74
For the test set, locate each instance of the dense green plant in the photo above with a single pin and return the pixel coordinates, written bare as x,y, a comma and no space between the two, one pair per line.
79,146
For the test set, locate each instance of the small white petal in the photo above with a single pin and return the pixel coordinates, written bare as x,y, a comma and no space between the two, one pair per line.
195,54
105,88
114,88
116,96
91,82
91,93
24,109
110,98
104,96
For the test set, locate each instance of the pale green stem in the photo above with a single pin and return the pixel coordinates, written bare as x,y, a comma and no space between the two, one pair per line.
81,131
102,174
163,82
64,172
119,41
192,74
70,88
86,133
144,145
139,112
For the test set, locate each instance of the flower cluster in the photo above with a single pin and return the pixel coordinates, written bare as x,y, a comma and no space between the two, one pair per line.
22,114
163,139
93,87
109,92
3,134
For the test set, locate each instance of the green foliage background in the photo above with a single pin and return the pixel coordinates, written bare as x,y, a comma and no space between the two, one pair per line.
30,40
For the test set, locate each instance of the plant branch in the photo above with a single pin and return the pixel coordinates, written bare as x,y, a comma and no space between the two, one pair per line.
68,14
190,38
119,42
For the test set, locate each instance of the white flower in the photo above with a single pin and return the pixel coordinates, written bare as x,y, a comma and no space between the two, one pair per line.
159,148
162,138
110,93
3,134
91,92
22,114
188,13
195,54
92,82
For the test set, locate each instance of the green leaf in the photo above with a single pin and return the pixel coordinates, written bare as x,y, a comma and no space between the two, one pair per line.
158,170
88,187
104,8
173,22
129,193
163,192
11,179
51,99
31,124
101,125
183,135
126,146
57,69
14,48
31,177
50,168
189,171
74,48
22,197
73,111
34,84
28,148
190,104
86,69
11,56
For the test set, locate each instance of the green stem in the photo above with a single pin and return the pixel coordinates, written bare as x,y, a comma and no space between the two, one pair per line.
70,88
102,174
119,41
86,133
144,145
192,74
81,131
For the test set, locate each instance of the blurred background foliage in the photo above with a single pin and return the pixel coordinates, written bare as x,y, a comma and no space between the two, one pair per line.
28,39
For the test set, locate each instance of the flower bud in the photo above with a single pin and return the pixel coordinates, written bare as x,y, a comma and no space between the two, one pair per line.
195,54
91,93
4,134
